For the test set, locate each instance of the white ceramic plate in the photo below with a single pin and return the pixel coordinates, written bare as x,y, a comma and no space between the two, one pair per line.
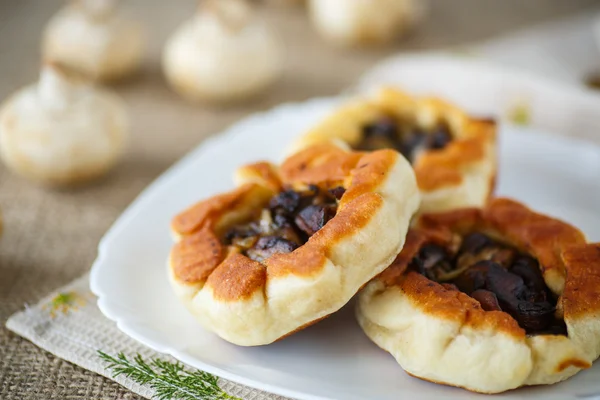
333,359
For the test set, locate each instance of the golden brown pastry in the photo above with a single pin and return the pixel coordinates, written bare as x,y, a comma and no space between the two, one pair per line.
291,245
488,299
454,156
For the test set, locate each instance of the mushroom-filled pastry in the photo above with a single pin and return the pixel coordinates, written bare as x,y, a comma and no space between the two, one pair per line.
453,155
293,244
488,299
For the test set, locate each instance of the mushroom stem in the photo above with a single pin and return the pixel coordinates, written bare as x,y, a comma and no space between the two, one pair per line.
233,14
99,9
55,87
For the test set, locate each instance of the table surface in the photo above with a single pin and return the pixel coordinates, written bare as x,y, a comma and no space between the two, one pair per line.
50,236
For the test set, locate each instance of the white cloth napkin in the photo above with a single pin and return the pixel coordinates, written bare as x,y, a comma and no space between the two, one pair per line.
69,325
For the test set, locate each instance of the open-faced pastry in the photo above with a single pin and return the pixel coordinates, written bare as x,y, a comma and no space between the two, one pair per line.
488,299
454,156
291,245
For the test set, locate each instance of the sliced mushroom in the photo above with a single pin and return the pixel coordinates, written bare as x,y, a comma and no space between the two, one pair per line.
487,299
266,246
439,138
474,278
337,192
288,200
313,218
475,242
528,269
534,316
386,127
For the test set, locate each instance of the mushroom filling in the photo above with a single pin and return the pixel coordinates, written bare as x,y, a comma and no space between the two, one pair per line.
408,139
498,276
290,218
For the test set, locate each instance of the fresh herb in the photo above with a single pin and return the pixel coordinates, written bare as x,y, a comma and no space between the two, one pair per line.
64,302
520,114
170,381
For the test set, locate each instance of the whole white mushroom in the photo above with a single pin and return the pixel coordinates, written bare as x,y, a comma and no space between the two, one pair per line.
364,22
62,130
90,36
225,52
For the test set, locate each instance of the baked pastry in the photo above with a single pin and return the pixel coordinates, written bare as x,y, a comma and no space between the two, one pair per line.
291,245
62,130
488,299
454,156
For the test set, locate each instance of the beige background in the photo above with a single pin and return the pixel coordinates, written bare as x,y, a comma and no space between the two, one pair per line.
50,237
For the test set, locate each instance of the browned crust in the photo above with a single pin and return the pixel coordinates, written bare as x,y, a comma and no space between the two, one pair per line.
320,164
441,168
200,257
582,288
195,256
572,362
236,278
206,212
264,173
437,169
560,248
451,304
369,171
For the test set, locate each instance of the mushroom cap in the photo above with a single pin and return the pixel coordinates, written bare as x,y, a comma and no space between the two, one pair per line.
364,22
62,131
209,58
101,45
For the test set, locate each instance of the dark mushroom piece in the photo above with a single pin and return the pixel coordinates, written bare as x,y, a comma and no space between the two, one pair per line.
266,246
528,269
287,201
474,243
535,316
338,192
474,277
381,134
439,139
498,277
289,220
512,294
313,218
412,142
487,299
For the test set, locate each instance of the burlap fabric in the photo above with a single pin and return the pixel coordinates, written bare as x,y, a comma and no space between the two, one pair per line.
50,237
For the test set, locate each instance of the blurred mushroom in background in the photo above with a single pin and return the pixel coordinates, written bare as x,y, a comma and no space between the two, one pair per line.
364,22
62,130
225,52
91,37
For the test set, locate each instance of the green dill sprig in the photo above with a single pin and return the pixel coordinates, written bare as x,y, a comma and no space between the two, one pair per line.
170,381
